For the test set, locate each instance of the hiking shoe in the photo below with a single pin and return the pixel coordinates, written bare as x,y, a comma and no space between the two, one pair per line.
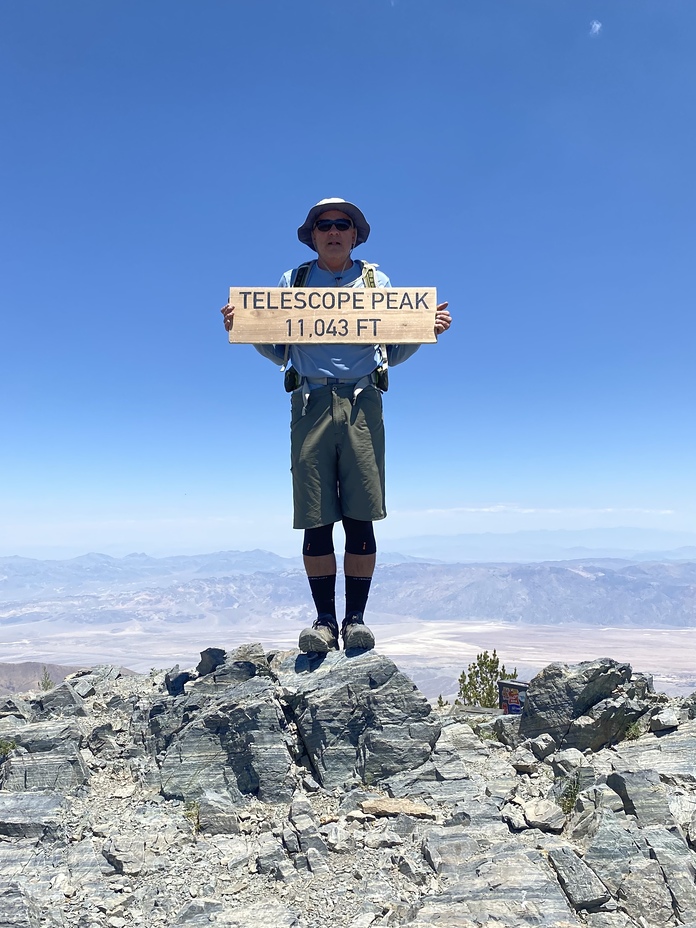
355,634
322,636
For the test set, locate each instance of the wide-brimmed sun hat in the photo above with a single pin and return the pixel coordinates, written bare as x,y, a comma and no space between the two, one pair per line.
304,233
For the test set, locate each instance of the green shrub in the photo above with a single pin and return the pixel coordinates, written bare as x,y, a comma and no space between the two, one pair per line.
569,794
192,812
480,687
6,748
633,732
46,683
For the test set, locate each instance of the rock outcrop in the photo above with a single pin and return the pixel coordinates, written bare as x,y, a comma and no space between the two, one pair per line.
273,790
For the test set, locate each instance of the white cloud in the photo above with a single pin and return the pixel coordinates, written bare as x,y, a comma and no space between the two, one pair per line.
595,27
524,510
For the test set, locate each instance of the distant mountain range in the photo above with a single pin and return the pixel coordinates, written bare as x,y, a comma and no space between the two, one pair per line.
546,545
101,590
23,578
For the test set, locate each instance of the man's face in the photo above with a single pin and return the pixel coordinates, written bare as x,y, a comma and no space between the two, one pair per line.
333,245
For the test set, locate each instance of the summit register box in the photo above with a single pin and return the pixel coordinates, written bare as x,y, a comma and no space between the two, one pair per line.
321,315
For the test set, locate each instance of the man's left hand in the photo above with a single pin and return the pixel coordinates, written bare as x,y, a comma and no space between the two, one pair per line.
443,320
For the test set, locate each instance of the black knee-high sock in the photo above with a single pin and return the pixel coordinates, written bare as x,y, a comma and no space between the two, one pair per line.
357,591
324,593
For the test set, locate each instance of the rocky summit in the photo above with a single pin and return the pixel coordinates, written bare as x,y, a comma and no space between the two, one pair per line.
273,790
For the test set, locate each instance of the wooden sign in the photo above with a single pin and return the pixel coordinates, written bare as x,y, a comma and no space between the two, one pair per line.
320,315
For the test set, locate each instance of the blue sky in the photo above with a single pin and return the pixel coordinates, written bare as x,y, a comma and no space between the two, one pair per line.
536,168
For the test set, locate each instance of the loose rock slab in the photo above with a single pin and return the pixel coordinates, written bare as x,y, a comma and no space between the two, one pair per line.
389,807
580,884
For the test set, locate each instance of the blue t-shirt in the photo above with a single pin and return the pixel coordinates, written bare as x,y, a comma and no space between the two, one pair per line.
346,362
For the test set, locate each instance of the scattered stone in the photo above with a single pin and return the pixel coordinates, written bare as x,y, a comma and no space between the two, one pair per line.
217,814
524,760
412,869
506,729
378,839
665,720
541,746
565,763
126,854
512,814
338,839
317,862
391,807
544,815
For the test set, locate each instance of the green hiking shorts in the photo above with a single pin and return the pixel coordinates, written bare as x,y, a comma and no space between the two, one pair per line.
337,456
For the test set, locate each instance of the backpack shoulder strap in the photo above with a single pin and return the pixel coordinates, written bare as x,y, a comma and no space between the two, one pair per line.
300,274
370,280
368,274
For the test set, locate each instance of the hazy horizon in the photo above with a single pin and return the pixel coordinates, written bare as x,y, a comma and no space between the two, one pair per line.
622,540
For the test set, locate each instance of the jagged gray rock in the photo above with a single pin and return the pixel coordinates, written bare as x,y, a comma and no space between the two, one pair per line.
46,757
278,791
561,694
643,795
678,867
238,745
62,700
30,815
671,755
211,658
541,746
580,884
605,723
175,680
544,815
356,716
17,910
89,682
664,720
217,815
15,707
612,850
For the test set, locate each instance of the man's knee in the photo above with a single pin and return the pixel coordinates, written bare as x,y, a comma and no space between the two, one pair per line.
360,537
318,542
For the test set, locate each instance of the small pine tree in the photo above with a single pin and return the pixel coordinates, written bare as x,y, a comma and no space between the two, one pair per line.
46,683
479,687
441,703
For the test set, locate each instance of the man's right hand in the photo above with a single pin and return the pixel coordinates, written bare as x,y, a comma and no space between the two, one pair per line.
228,314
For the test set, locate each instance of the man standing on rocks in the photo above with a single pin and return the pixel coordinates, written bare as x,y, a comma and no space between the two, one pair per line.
337,431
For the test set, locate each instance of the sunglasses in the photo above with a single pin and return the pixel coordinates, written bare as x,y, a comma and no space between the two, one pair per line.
342,225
